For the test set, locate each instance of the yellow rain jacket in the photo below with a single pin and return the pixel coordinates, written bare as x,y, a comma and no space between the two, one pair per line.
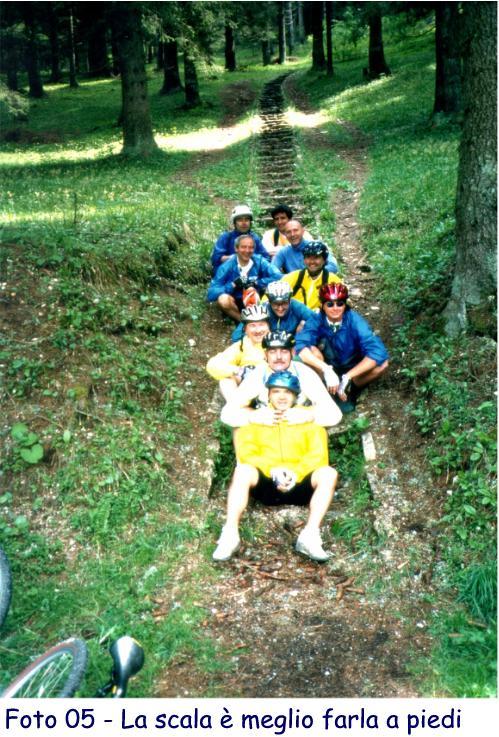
298,448
240,354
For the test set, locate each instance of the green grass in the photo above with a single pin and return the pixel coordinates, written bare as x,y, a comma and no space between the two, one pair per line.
354,526
92,244
464,661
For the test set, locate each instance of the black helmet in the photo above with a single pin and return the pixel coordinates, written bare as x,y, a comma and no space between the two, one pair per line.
278,339
284,379
315,248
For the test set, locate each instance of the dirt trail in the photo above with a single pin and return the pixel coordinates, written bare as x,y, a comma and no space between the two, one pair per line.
291,631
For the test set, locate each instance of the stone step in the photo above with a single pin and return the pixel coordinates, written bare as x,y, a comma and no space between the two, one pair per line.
281,167
277,130
273,117
269,148
268,157
277,138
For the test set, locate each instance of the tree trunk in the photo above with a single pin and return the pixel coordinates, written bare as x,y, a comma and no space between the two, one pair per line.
329,36
301,24
11,61
81,56
316,16
171,73
72,50
138,139
266,55
377,63
160,56
114,53
448,93
32,59
98,62
281,33
191,84
290,26
53,33
475,276
230,50
12,79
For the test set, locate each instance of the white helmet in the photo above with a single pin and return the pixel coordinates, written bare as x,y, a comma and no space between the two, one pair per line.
279,291
240,211
255,313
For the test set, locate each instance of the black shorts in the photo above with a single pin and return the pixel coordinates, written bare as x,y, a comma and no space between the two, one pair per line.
266,492
329,358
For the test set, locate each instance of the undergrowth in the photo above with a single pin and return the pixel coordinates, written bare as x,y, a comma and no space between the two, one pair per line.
104,271
407,216
354,525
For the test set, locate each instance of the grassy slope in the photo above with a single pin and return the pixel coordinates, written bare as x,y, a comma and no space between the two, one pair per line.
88,234
407,212
91,243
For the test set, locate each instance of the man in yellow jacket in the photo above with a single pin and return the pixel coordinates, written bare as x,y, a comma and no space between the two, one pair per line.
305,283
280,464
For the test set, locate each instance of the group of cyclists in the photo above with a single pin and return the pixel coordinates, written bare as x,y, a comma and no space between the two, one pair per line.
298,360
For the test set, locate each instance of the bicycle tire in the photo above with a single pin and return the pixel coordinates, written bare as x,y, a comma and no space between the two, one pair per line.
5,586
55,674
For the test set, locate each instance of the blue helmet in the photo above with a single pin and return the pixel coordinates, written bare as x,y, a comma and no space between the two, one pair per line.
284,379
315,248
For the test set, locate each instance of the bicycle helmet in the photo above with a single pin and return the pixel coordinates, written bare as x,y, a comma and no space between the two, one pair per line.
315,248
255,313
279,291
278,339
284,379
240,211
335,290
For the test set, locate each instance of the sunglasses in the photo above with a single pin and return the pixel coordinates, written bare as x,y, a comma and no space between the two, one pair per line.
335,303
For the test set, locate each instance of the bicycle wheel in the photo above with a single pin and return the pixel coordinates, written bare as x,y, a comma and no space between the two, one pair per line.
55,674
5,586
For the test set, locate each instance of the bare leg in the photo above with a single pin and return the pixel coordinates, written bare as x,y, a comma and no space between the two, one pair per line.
244,478
227,304
317,353
309,541
371,375
324,481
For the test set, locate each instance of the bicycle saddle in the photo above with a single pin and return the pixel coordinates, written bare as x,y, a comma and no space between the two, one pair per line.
128,658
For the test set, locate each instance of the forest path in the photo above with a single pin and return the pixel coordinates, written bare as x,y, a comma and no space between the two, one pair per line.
290,626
